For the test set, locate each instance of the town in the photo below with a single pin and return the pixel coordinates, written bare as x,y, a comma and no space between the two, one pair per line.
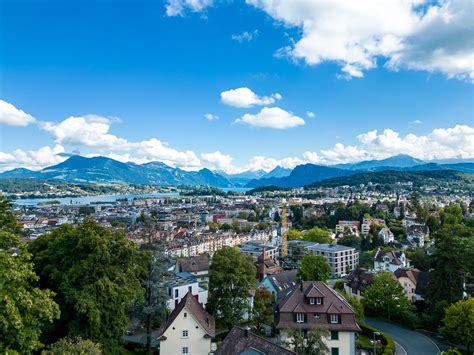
312,256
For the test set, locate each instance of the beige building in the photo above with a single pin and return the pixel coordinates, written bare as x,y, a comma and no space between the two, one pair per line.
188,330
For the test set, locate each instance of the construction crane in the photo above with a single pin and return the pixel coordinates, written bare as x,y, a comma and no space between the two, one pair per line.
284,230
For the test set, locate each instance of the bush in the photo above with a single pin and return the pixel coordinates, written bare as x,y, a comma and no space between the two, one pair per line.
386,340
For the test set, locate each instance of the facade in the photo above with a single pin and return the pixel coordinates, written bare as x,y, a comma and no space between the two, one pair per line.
341,226
198,266
387,235
188,330
341,259
390,260
367,223
312,304
416,234
179,285
357,281
413,282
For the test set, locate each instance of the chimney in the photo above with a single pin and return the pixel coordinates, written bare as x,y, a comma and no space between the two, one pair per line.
247,331
301,285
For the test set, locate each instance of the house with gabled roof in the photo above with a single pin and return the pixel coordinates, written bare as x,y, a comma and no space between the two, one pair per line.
390,260
188,329
278,284
312,305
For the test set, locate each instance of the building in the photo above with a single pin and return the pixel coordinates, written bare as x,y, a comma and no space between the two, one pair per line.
368,222
314,305
198,266
413,282
240,341
179,285
188,329
357,282
417,234
390,260
341,259
341,226
387,235
279,284
256,249
266,265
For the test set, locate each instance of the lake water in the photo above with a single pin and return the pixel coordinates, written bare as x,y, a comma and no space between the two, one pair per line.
86,200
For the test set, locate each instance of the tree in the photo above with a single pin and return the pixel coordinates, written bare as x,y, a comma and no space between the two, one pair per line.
232,275
314,344
419,259
459,322
356,306
314,268
73,346
385,298
25,309
262,311
95,273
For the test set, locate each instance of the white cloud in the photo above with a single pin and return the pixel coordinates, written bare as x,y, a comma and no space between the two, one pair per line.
354,34
310,114
90,131
218,161
179,7
211,117
244,98
245,36
415,122
32,159
12,116
272,117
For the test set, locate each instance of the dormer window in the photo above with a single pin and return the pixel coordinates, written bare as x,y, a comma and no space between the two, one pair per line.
311,300
334,318
318,300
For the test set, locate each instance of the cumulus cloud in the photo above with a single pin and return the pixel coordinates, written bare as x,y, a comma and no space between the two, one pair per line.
219,161
244,98
179,7
245,36
272,117
436,37
32,159
12,116
211,117
310,114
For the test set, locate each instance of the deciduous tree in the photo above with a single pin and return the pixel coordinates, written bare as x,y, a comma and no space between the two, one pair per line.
314,268
459,323
262,311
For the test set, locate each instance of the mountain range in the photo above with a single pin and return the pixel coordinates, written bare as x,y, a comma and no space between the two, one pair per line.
78,169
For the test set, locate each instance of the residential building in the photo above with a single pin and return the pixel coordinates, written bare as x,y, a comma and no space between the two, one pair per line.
188,329
417,234
368,222
179,285
314,305
256,249
240,341
387,235
413,282
279,284
198,266
341,226
357,282
390,260
341,259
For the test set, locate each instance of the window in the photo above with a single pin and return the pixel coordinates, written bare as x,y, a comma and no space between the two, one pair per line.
334,335
185,315
184,350
190,289
334,351
175,293
318,300
185,333
311,300
334,318
299,318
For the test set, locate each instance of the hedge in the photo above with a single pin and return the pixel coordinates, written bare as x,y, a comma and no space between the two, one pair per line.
387,341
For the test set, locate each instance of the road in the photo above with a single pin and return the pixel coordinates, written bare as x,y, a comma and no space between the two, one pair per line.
412,342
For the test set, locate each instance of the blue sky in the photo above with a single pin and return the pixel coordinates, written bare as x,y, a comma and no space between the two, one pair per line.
148,79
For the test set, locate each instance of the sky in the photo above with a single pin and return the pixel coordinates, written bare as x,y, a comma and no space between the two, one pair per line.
235,85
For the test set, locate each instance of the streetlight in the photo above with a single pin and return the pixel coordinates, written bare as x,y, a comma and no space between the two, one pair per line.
375,342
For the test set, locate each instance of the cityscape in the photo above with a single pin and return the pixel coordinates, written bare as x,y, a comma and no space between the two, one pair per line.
237,177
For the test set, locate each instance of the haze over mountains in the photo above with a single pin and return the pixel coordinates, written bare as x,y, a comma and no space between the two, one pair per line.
105,170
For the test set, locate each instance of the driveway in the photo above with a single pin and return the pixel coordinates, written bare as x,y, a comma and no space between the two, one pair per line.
412,342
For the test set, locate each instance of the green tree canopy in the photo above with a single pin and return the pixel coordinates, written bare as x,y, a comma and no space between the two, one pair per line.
73,346
314,268
262,311
314,344
232,275
95,273
315,234
459,322
385,298
25,309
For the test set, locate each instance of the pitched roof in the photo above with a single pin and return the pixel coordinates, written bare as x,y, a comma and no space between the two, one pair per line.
194,264
240,341
283,280
191,304
313,291
393,256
